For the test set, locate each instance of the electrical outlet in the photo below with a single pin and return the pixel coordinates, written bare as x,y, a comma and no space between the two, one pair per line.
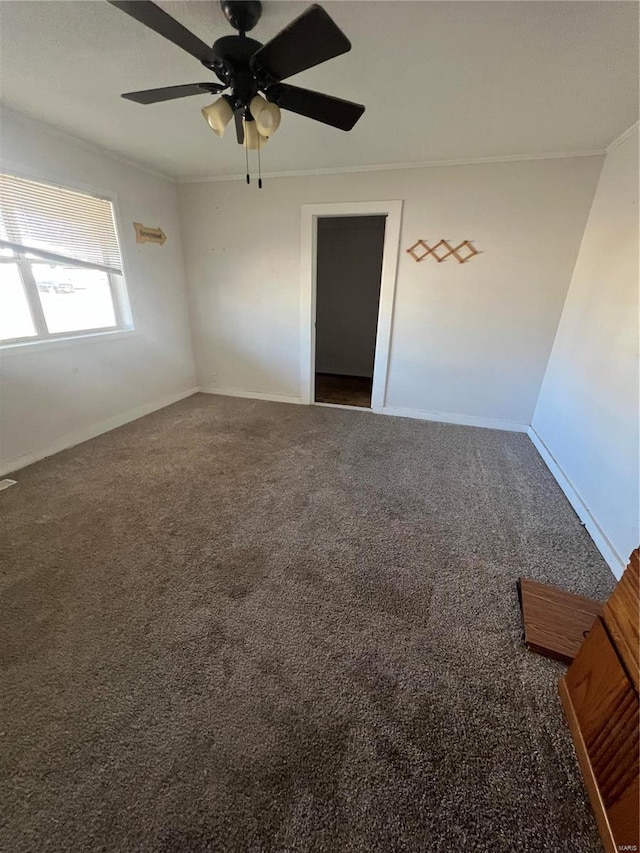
214,378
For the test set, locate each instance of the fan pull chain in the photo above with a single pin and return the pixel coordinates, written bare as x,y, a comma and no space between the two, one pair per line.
259,166
246,158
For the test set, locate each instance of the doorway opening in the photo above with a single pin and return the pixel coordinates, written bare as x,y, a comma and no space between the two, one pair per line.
349,256
311,216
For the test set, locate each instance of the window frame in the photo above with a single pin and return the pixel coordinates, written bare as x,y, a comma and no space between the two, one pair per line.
120,295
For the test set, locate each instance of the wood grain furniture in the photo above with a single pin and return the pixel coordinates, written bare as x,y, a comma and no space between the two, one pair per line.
600,697
555,622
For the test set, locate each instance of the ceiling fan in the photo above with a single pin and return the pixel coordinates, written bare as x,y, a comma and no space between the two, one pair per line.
246,67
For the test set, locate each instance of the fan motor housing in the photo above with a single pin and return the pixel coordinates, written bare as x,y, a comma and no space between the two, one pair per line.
232,65
235,50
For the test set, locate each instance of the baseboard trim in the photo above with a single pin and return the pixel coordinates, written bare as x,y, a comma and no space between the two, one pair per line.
416,414
72,439
452,418
602,543
252,395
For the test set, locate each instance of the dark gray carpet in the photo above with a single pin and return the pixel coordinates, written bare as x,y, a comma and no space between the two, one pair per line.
247,626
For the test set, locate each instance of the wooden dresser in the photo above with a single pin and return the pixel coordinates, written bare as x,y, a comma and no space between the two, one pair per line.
600,697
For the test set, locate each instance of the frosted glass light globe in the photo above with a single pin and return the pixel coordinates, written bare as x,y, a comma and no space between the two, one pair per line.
266,115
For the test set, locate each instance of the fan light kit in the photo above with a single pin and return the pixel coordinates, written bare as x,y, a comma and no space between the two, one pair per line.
246,67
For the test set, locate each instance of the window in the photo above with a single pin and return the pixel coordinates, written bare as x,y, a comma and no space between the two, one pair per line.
60,265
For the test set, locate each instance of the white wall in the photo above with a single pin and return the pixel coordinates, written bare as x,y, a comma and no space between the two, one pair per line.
587,414
348,293
469,341
53,395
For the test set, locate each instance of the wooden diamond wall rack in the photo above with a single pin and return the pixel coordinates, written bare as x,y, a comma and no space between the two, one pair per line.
442,250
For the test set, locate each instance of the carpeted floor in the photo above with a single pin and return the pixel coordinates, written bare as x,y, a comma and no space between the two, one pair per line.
246,626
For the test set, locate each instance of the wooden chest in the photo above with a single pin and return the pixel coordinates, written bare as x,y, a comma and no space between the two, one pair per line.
600,697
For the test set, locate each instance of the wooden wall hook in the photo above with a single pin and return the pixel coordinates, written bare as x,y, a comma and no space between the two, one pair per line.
462,252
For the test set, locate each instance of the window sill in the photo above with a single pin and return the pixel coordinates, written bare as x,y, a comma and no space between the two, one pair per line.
47,344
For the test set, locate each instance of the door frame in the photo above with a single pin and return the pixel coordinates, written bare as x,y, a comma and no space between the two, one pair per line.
308,280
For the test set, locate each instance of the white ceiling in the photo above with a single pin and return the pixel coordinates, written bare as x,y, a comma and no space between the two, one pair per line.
440,80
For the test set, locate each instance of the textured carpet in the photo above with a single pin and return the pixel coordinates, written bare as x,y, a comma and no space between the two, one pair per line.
343,390
245,626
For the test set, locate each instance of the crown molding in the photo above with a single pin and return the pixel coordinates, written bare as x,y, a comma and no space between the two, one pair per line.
299,173
388,167
85,144
622,138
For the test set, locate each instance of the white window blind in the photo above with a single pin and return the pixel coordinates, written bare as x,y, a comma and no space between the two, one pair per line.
58,224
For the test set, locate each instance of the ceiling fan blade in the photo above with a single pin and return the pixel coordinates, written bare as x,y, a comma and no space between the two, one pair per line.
168,93
238,115
308,40
325,108
152,16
